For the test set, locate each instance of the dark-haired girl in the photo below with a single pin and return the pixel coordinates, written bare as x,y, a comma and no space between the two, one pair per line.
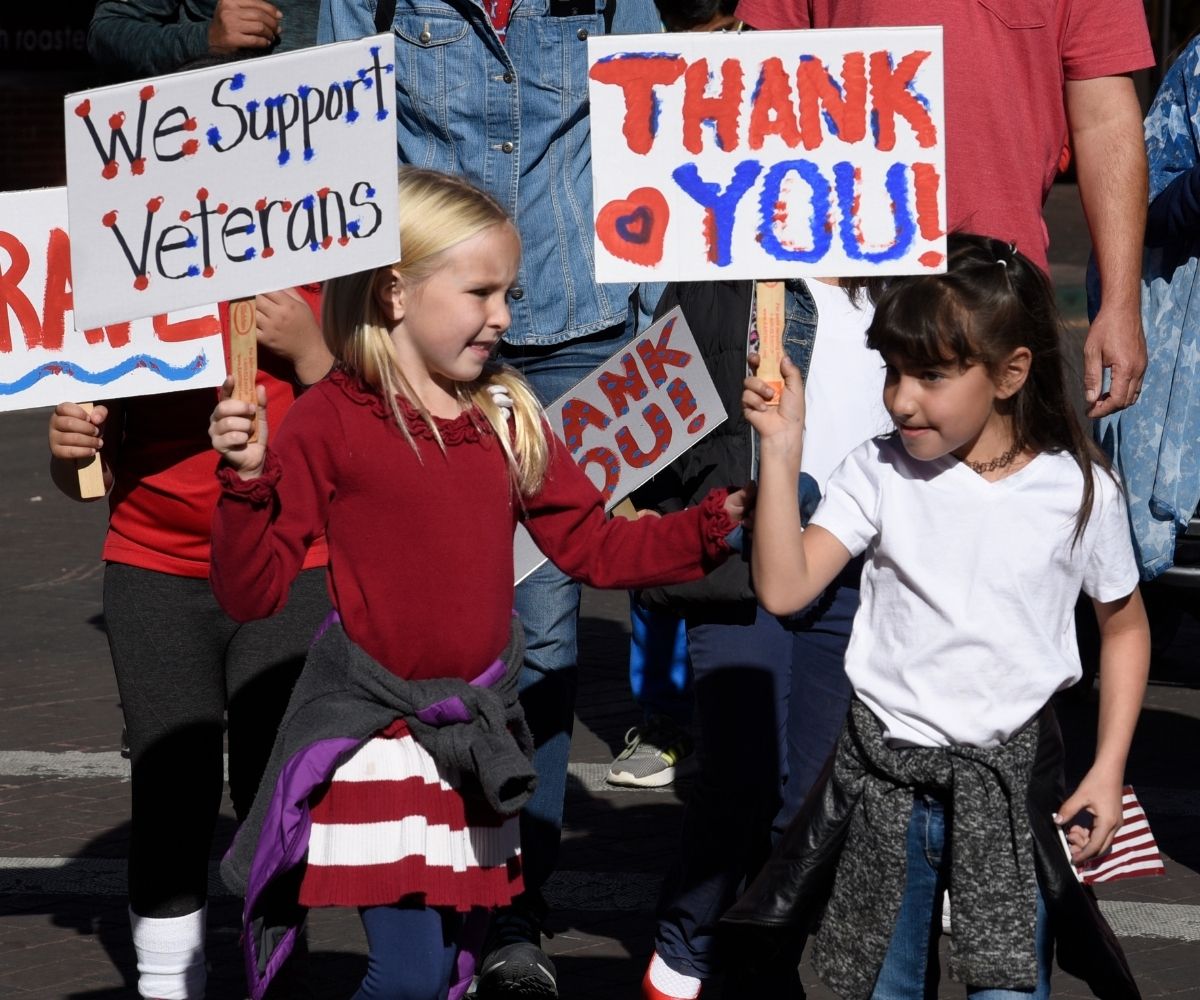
981,518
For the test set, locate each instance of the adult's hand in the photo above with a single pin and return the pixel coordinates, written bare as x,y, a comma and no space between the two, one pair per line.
1114,342
243,24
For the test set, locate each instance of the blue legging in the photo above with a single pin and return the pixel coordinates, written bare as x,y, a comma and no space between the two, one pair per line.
411,954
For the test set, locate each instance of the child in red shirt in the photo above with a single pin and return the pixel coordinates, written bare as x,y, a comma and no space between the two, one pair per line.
181,662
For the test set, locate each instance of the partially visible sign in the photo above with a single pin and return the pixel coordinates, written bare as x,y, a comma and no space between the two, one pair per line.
223,182
633,416
45,360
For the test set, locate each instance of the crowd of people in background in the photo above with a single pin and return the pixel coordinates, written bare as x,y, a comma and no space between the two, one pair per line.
843,691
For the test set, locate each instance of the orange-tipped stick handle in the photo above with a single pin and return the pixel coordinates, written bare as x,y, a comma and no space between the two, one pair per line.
243,352
768,311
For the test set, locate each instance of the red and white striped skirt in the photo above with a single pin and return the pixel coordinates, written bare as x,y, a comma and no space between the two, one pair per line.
391,824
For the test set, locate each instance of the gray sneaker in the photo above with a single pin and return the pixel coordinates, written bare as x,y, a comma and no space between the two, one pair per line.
652,756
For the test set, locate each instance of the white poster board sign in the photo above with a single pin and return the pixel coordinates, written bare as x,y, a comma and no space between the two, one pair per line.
768,154
241,178
45,359
632,417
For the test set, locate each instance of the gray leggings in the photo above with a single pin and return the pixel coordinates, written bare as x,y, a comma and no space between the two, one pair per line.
181,665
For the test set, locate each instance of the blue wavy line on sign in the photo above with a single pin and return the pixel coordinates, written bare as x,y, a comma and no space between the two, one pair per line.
172,373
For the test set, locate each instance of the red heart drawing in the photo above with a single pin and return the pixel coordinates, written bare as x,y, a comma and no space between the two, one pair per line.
633,228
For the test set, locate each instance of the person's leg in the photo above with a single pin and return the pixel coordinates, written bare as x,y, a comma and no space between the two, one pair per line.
660,682
548,604
167,637
411,952
261,666
815,708
741,677
910,969
1045,956
660,674
820,692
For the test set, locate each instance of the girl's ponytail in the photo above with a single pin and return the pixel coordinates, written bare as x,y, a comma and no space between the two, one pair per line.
524,440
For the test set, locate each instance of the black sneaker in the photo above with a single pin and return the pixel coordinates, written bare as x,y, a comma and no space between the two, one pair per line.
514,964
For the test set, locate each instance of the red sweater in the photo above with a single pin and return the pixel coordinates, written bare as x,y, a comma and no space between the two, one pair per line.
421,546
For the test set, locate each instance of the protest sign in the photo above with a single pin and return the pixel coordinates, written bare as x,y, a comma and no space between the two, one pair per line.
632,417
223,182
768,154
45,359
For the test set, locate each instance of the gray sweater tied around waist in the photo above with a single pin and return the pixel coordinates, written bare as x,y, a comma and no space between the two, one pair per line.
993,881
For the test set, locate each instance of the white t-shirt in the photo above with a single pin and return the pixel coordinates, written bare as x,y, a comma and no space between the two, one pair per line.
843,394
966,625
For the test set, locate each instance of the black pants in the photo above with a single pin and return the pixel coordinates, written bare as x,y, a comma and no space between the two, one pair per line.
181,664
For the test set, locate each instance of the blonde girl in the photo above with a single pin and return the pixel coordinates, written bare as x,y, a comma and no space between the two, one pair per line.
399,772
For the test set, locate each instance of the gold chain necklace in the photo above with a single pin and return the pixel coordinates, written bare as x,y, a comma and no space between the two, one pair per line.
1000,462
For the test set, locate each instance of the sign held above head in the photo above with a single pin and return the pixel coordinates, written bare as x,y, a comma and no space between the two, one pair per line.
221,182
768,154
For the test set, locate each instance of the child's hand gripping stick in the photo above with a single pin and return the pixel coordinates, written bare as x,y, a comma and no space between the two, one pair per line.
243,353
768,309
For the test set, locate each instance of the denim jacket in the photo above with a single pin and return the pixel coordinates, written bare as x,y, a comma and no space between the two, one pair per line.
1155,443
513,118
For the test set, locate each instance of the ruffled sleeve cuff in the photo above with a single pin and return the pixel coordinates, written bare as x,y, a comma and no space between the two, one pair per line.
715,524
258,492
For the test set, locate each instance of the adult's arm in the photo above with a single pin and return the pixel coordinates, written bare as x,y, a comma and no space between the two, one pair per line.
1106,134
152,37
148,37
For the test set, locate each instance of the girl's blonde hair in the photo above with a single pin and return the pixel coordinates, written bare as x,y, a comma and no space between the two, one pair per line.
437,211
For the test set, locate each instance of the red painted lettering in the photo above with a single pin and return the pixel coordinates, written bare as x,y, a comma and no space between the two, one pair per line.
890,96
12,298
637,74
617,387
722,110
772,111
173,332
926,182
57,301
656,357
846,107
661,427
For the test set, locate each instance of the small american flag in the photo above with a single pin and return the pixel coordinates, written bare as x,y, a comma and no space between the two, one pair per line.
1133,853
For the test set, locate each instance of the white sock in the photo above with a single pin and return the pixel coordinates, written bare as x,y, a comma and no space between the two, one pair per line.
674,984
170,955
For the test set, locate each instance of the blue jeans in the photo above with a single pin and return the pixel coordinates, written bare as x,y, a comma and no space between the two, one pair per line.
771,698
910,969
660,672
412,950
548,603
